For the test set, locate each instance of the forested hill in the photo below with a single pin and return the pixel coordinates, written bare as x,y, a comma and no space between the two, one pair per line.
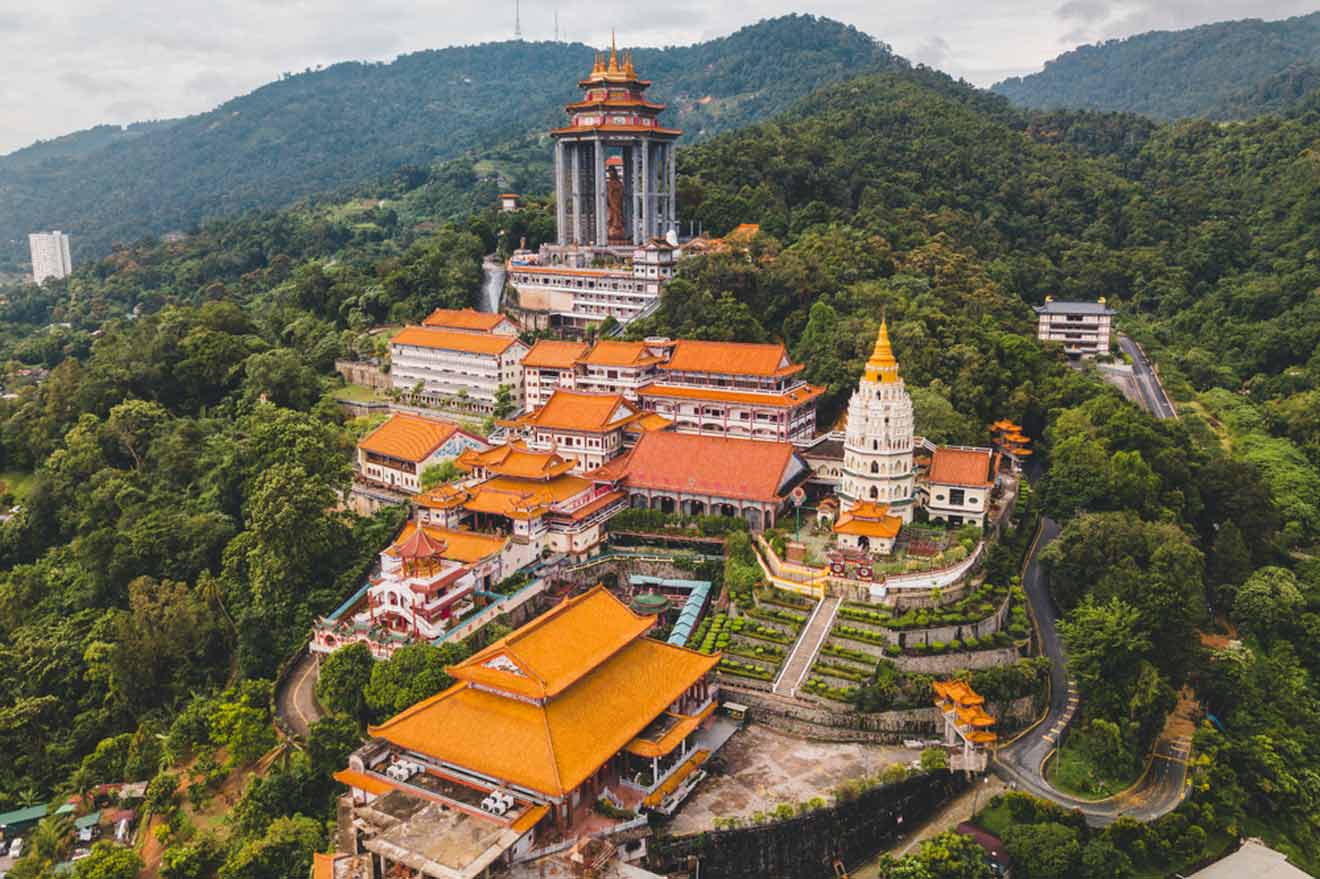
1227,70
318,131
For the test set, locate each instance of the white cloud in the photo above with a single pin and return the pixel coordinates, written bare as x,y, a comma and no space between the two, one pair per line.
71,64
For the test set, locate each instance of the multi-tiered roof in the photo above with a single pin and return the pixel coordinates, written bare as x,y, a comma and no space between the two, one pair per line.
615,100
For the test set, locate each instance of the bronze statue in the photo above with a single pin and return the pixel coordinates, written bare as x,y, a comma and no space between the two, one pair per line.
618,232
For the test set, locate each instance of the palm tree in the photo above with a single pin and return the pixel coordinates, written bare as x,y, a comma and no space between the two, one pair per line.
29,796
53,837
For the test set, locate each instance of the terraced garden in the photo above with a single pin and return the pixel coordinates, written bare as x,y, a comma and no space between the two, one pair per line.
756,638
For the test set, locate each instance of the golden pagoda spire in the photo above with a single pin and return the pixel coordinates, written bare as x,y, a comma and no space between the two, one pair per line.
614,54
882,365
628,65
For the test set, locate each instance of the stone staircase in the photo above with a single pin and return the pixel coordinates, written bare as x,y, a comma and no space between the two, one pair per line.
808,644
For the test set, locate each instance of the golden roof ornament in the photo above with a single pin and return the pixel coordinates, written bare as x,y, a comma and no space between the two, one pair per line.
882,365
614,55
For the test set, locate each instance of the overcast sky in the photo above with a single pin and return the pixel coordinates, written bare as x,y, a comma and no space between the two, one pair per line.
71,64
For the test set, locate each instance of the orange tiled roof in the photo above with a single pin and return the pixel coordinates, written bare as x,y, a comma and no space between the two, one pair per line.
868,519
409,437
705,465
731,358
970,467
446,340
792,399
650,421
362,781
516,460
523,498
596,623
663,745
956,692
582,411
465,318
442,497
610,353
607,689
554,354
465,547
743,233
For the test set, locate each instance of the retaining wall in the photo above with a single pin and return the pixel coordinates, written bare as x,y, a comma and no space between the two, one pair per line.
805,847
821,720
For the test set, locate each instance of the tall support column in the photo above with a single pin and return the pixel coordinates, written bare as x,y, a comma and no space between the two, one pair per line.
561,209
635,168
574,158
648,196
671,202
601,196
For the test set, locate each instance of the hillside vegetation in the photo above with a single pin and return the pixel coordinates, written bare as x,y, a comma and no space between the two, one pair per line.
183,460
318,131
1227,70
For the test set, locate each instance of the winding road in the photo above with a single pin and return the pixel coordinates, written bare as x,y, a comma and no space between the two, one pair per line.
1021,762
1153,398
296,700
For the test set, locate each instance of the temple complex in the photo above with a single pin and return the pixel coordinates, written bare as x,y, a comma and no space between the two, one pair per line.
594,428
616,221
574,707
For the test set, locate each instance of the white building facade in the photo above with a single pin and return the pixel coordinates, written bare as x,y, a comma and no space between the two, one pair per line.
1081,327
50,256
457,370
878,465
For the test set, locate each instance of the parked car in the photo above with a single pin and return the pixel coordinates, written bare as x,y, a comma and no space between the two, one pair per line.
16,848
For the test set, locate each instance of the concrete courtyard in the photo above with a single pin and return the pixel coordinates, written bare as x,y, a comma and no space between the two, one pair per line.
766,768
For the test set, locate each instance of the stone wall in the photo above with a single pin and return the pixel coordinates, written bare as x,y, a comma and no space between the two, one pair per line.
817,720
806,847
907,637
360,372
947,663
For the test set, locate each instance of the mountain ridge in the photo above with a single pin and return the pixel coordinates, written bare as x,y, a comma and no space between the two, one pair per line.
1209,70
352,122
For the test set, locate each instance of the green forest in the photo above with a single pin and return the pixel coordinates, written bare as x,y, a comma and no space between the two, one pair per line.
1226,70
176,467
318,131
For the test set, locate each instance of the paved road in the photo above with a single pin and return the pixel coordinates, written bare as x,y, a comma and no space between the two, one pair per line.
1159,791
296,702
1152,396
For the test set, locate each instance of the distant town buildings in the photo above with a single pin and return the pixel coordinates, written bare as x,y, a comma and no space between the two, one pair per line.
50,256
1082,327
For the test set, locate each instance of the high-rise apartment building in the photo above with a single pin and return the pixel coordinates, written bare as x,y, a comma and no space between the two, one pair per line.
50,255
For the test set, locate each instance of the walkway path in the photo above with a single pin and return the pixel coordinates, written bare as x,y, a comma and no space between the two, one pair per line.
813,635
296,702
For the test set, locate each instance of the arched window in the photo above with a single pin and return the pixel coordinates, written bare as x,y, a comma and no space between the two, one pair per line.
875,467
875,494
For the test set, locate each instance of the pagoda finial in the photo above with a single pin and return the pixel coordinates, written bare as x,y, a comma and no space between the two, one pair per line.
882,365
614,54
628,64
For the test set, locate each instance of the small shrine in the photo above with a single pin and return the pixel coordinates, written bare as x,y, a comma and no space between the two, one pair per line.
966,723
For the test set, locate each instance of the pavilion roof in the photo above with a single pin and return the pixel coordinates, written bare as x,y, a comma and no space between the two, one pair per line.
468,319
449,340
555,354
730,358
409,437
517,461
574,709
582,411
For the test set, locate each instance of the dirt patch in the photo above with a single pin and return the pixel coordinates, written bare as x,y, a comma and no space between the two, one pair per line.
766,768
